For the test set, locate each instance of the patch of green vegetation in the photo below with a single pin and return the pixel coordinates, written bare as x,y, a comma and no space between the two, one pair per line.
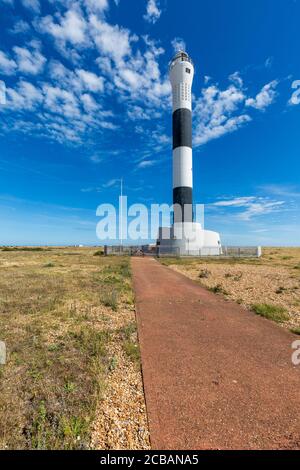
69,387
130,345
218,289
91,341
228,275
49,265
37,431
133,351
109,298
128,330
113,363
296,331
238,277
272,312
99,253
56,347
204,274
24,248
73,430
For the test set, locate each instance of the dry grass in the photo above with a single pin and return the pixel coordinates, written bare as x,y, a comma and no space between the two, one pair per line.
62,315
272,280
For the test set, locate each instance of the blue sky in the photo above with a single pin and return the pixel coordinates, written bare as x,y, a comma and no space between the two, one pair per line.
88,102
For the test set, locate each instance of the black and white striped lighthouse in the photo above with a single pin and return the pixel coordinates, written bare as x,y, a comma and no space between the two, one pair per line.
185,236
181,76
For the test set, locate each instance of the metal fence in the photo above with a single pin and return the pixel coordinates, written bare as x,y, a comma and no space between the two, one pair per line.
171,251
222,252
242,251
130,250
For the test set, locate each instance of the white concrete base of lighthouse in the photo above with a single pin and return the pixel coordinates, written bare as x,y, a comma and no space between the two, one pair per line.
188,239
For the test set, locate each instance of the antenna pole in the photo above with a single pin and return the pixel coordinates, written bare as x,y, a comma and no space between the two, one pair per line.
121,212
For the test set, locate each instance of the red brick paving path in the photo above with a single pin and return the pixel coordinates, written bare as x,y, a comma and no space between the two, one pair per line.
215,375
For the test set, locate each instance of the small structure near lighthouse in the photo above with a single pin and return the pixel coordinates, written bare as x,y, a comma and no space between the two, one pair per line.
185,237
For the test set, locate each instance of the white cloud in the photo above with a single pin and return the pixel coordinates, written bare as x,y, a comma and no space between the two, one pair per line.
137,113
24,97
254,206
261,208
75,100
265,97
61,101
178,44
282,190
237,202
96,158
136,76
89,103
96,5
146,164
111,183
217,113
112,41
20,26
236,79
33,5
30,60
269,62
91,81
153,11
7,65
69,28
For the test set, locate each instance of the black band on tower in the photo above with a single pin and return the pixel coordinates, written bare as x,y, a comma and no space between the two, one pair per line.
183,196
182,128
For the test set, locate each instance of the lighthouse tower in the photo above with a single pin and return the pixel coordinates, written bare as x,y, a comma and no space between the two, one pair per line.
185,237
181,76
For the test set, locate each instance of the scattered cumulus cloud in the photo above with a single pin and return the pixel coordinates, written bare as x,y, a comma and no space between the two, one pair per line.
30,60
96,5
7,65
33,5
217,112
153,11
91,81
20,27
69,27
265,97
178,44
222,111
95,62
236,79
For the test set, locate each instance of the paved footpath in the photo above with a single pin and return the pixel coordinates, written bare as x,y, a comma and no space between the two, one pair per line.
215,375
